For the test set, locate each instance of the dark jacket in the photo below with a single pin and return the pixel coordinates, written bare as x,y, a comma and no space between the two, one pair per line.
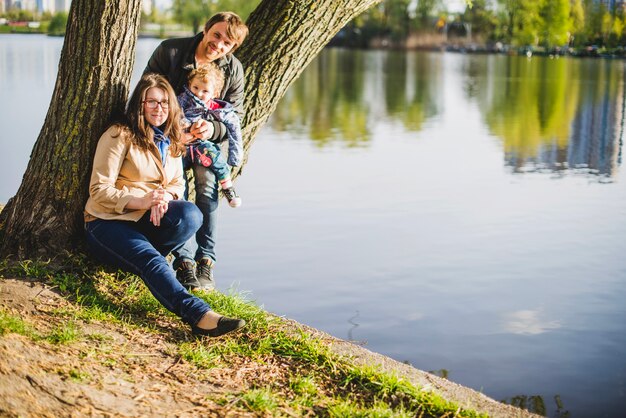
175,58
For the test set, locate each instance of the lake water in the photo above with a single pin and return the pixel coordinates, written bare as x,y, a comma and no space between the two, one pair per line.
466,214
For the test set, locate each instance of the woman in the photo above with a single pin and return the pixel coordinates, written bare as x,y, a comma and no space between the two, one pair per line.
132,217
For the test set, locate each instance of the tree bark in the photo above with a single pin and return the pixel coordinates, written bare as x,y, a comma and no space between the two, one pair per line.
45,216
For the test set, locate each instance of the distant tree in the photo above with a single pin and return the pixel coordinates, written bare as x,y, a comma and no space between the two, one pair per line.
424,12
192,12
20,15
397,19
607,24
58,24
594,15
243,7
617,31
481,17
195,12
554,21
528,24
510,12
577,19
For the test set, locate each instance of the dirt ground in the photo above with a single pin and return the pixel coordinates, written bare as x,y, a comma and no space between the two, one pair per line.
119,372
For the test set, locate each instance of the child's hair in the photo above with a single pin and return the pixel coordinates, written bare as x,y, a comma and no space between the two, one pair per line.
208,73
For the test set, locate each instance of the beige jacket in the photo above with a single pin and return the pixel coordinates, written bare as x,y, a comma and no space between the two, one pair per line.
122,170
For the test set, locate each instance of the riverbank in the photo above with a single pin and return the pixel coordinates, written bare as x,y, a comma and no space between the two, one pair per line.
101,345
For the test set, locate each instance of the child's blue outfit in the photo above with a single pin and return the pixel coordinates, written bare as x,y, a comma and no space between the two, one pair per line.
208,153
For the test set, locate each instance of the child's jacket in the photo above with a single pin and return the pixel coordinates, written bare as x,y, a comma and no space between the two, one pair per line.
195,109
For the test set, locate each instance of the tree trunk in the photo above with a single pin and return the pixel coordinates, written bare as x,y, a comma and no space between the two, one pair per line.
285,36
45,216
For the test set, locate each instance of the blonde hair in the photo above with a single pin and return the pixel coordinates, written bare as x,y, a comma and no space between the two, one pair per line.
236,29
208,73
142,133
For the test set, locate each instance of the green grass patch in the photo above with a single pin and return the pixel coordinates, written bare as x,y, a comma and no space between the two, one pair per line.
305,377
260,400
66,333
78,376
14,324
349,409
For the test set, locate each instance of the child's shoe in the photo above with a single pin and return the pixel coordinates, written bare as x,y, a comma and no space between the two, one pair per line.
233,198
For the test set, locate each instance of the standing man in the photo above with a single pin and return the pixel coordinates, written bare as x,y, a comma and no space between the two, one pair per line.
175,58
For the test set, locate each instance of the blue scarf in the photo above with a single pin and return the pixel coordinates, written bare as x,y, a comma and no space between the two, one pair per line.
162,142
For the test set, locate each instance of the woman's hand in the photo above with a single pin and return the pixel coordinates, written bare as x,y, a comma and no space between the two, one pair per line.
159,205
202,129
157,213
156,201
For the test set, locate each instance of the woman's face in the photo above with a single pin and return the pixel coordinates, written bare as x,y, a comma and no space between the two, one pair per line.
156,106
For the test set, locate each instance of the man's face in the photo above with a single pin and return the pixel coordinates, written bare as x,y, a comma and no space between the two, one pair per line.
215,43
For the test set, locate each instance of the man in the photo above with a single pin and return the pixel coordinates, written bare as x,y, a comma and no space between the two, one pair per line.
175,58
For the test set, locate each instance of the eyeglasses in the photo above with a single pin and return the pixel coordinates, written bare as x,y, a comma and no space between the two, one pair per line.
152,104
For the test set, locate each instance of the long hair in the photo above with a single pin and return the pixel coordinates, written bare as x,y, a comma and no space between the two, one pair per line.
236,29
142,134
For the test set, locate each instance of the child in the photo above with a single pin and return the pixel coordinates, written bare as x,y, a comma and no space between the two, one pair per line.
197,102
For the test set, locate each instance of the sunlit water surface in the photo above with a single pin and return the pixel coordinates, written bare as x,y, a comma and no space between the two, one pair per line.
462,213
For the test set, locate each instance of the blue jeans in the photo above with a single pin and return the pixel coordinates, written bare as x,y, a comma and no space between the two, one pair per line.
140,248
203,244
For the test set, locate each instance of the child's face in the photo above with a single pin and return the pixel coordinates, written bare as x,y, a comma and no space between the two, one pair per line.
204,90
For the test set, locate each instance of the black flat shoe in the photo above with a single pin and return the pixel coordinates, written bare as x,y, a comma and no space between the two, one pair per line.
224,326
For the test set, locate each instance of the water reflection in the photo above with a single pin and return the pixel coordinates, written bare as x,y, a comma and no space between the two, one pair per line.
556,115
537,405
552,115
342,94
528,322
412,84
327,102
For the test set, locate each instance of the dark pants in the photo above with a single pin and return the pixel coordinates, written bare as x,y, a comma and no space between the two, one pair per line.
140,248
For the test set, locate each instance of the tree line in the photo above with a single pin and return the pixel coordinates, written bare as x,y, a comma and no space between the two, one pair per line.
543,23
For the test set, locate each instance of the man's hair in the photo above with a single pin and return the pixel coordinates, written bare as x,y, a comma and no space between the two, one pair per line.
208,73
236,30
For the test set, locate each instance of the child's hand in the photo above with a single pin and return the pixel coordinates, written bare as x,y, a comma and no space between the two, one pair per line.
188,138
202,129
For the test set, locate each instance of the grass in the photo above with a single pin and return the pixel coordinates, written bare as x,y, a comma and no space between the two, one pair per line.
14,324
298,374
64,334
260,400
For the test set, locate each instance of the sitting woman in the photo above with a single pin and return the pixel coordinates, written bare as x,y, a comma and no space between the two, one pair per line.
133,217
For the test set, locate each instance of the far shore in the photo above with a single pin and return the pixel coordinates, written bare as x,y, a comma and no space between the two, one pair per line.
430,44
